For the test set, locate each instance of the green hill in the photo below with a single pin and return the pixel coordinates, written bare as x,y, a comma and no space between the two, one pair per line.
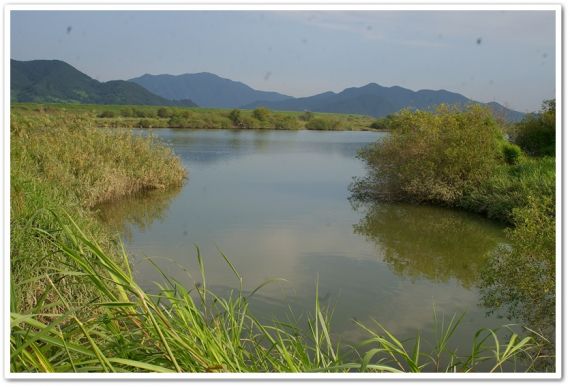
56,81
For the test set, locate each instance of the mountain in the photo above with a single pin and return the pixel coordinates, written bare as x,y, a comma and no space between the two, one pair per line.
57,81
378,101
206,89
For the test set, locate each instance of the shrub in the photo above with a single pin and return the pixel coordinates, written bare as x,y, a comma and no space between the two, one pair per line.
286,122
432,157
127,112
107,114
511,153
322,123
536,134
382,123
262,114
307,116
249,122
235,117
164,113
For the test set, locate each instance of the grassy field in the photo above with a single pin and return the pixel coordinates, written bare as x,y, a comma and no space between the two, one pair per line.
75,306
125,116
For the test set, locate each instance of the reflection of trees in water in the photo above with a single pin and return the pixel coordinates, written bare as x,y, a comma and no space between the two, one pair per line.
212,145
435,243
137,211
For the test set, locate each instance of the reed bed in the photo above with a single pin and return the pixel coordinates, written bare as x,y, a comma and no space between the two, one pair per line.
61,162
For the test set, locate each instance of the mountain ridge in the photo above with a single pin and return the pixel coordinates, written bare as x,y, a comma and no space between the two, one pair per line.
58,81
378,101
206,89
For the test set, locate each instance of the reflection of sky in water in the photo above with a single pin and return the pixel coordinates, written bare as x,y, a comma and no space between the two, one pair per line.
275,202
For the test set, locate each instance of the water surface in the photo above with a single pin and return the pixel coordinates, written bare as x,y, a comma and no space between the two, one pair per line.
276,203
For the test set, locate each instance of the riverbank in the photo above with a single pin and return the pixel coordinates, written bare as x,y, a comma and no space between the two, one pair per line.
75,306
138,116
463,159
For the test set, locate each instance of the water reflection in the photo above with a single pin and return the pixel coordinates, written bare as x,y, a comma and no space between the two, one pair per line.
137,211
433,243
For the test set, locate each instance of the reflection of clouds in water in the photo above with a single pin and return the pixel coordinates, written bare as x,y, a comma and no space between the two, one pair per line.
364,290
415,312
275,203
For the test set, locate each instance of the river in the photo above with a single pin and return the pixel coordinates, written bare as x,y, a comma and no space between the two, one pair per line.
276,204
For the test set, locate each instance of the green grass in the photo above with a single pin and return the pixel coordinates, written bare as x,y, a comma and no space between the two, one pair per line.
127,116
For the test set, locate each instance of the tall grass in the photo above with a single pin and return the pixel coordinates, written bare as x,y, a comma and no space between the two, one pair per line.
61,162
182,329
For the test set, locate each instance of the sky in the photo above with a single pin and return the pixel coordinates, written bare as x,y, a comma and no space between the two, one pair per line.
502,56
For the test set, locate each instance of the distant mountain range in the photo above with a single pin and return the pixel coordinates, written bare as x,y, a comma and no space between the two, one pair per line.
379,101
57,81
206,89
209,90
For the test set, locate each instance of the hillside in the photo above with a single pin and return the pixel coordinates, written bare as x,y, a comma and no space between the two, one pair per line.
57,81
206,89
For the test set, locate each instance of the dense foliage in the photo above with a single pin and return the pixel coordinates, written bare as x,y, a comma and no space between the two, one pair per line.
432,157
536,134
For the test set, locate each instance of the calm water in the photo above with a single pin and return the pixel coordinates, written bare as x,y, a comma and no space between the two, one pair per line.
275,202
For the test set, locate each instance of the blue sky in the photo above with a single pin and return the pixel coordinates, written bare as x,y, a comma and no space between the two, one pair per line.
505,56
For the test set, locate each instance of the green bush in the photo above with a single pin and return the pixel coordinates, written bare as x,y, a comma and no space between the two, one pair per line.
286,122
382,123
164,112
322,123
432,157
536,134
235,117
512,154
307,116
262,114
106,114
512,186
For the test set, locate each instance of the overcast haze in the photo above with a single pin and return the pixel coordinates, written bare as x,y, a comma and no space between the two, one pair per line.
508,57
